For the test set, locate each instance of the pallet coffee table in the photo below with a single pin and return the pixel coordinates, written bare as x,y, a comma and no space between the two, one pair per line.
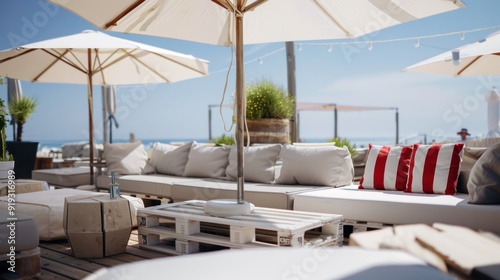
179,228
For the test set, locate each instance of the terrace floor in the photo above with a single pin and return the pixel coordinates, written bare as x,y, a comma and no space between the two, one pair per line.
58,261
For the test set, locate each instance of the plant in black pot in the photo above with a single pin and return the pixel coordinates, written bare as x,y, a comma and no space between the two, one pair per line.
21,109
6,159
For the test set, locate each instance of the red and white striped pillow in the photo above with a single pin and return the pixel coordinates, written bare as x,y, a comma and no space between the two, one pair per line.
434,168
386,168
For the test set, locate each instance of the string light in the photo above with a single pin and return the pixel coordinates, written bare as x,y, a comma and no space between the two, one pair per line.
415,39
330,45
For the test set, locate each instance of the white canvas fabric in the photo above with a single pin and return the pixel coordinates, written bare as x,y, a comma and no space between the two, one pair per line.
127,158
321,165
170,159
207,161
260,163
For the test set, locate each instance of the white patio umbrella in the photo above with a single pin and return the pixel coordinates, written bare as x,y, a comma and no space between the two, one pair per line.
475,59
493,101
95,58
14,91
109,103
238,22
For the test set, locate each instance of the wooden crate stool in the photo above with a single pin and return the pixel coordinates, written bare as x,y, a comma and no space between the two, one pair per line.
97,226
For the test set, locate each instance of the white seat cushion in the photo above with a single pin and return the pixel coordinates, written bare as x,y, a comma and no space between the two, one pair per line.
395,207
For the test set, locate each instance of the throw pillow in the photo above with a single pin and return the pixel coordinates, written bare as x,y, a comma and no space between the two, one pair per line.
170,159
434,168
207,161
321,165
386,168
259,162
469,158
484,179
127,158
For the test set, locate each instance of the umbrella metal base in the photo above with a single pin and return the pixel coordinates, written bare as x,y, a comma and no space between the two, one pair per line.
227,208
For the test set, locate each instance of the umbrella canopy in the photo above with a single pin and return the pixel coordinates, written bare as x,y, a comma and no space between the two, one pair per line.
14,92
95,58
476,59
235,22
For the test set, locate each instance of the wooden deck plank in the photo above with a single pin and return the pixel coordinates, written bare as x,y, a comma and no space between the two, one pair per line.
59,263
63,269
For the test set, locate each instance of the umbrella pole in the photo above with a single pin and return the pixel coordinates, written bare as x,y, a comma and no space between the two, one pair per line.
224,208
91,121
240,100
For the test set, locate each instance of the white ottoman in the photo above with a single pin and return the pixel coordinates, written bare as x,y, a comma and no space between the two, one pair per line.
22,255
64,177
47,208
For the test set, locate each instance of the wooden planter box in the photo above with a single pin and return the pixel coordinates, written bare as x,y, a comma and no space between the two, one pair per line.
269,131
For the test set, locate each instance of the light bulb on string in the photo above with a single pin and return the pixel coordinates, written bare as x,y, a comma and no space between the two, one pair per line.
260,61
300,47
417,42
370,46
462,36
330,49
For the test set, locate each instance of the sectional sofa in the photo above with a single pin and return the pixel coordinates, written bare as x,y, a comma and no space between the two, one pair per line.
395,187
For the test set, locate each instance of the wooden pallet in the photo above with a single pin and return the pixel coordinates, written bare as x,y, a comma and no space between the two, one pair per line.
180,228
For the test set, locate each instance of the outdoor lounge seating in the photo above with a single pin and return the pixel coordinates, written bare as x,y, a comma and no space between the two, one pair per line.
68,177
366,207
47,209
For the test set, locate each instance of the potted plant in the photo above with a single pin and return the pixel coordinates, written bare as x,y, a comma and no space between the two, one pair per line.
268,111
21,109
6,159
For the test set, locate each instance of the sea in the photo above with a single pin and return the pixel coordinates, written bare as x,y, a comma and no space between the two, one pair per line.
53,144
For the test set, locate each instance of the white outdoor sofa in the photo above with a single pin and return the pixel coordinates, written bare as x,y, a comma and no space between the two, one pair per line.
372,208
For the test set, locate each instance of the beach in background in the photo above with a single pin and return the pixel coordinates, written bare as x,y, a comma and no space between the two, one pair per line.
48,144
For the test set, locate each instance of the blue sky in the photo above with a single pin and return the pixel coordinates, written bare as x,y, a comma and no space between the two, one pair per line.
347,75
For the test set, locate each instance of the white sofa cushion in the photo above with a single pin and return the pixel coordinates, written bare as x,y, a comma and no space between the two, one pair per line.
259,162
207,161
127,158
386,168
321,165
170,159
434,168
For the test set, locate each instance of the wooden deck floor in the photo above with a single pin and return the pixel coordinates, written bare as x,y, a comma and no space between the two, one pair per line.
58,261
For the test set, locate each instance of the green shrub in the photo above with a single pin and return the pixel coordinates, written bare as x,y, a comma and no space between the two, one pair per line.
341,142
267,100
223,140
